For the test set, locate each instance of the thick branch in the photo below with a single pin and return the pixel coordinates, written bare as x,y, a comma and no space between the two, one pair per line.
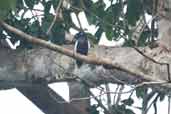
91,60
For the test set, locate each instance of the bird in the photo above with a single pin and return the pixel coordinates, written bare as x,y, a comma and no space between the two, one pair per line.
82,46
8,43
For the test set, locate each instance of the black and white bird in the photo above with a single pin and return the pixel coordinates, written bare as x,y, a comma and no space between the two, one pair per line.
81,46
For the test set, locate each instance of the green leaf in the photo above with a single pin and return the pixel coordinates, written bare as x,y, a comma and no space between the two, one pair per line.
67,19
92,39
46,21
129,43
98,8
143,39
113,13
162,96
31,3
141,91
91,18
134,10
128,111
93,109
58,33
108,29
20,5
47,7
98,33
90,14
7,4
35,28
109,34
54,3
88,4
76,3
5,7
128,101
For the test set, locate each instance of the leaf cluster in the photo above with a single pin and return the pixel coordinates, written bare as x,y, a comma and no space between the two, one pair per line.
113,19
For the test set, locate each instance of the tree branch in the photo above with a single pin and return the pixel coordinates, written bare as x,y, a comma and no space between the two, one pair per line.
70,53
55,18
160,63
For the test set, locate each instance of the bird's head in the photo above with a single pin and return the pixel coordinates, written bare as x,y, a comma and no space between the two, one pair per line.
80,35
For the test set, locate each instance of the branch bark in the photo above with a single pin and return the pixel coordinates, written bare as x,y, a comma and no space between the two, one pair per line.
121,62
97,59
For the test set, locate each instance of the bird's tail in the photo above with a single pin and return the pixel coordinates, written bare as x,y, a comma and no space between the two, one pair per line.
79,63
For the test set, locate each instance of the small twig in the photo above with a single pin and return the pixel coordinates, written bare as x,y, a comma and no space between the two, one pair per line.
151,83
154,101
96,16
108,97
114,98
168,71
169,104
120,93
99,18
99,103
108,92
79,22
100,95
146,98
131,94
138,85
118,80
142,27
55,18
151,59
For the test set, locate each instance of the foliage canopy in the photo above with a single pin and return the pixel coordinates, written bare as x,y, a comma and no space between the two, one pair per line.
115,19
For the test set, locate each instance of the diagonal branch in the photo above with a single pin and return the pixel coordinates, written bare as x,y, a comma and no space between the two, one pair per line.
160,63
55,18
70,53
